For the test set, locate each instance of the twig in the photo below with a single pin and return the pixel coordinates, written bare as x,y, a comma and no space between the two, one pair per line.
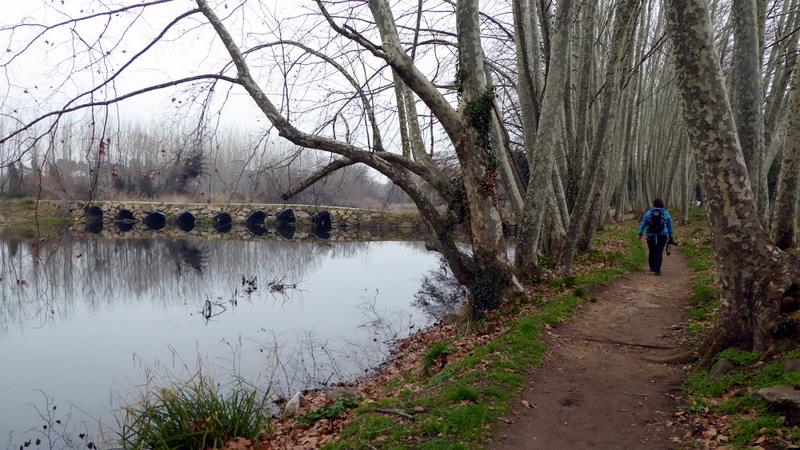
396,413
635,393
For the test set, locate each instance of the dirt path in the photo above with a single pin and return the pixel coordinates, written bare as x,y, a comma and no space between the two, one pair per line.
595,390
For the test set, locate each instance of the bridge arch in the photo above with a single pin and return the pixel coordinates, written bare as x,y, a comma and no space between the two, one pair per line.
155,221
223,222
186,221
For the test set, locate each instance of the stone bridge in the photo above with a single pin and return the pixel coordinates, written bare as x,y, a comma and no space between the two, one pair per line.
238,219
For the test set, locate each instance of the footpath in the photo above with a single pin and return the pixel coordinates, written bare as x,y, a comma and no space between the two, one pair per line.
598,387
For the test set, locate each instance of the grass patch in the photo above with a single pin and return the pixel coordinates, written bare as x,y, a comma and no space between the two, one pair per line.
457,394
696,245
456,407
436,353
739,357
335,409
194,415
731,395
28,211
745,430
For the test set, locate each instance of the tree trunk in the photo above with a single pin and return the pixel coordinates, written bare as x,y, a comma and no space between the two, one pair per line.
754,276
784,219
747,97
547,140
581,225
583,108
494,276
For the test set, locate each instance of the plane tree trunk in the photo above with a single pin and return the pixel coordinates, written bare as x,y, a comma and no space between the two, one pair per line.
759,283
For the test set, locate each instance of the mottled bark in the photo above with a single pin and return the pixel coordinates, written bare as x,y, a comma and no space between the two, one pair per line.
593,185
784,219
747,97
402,122
546,141
506,166
583,109
754,275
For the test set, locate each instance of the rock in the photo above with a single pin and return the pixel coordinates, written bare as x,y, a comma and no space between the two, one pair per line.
784,399
791,365
292,407
340,392
721,368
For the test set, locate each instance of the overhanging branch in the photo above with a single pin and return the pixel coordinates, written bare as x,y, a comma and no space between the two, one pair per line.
316,176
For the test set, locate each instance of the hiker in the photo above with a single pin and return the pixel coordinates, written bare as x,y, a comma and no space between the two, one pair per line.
658,223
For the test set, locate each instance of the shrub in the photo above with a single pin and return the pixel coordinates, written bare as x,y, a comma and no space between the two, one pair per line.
194,415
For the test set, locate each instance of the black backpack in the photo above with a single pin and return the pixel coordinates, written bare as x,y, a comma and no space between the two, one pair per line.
656,224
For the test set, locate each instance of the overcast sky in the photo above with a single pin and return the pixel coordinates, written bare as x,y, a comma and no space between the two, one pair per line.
45,75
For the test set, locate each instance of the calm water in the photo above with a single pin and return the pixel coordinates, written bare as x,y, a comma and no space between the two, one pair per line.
85,324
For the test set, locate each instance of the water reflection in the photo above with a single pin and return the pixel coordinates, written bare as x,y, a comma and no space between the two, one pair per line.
83,320
440,292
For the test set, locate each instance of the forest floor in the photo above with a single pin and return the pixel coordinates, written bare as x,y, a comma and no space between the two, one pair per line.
597,387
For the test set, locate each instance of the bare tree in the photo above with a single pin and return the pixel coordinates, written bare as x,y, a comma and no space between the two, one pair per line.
758,293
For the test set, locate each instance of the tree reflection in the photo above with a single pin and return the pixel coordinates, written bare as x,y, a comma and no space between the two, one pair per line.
101,272
440,293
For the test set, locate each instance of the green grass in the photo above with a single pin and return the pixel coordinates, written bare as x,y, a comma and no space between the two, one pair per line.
194,415
733,393
435,353
460,403
25,211
745,430
457,394
335,409
696,245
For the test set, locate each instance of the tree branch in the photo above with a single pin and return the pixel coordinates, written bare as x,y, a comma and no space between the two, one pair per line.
111,101
316,176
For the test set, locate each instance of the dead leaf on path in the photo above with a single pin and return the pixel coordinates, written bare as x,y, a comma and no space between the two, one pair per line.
506,420
528,404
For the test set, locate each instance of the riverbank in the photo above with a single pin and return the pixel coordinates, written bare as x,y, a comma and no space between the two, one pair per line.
447,386
29,211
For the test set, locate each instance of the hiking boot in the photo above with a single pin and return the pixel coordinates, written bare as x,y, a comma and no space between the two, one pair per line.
658,274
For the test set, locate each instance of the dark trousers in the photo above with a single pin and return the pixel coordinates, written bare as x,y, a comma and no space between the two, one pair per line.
655,252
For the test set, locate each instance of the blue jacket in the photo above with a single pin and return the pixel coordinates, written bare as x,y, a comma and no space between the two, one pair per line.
667,231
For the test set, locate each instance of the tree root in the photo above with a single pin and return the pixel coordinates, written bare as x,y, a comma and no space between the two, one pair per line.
629,344
677,358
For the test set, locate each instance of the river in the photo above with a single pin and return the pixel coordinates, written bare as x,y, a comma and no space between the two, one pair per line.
87,323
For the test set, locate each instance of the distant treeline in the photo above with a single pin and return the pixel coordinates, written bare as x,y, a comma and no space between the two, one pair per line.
134,161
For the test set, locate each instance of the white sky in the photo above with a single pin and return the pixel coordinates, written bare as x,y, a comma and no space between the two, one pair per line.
57,65
44,76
